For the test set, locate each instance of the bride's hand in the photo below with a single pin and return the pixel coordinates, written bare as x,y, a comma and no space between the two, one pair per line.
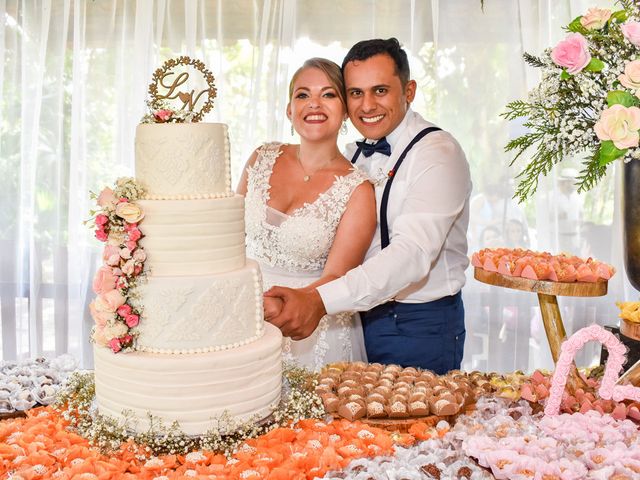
272,307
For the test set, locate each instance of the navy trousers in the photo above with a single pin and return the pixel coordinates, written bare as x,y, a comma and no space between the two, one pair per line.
426,335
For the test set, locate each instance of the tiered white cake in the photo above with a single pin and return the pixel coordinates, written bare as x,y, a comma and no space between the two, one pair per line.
203,346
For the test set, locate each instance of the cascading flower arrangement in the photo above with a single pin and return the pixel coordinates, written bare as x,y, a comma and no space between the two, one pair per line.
587,100
116,220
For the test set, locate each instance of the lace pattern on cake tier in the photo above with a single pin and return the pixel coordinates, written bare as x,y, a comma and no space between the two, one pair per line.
169,167
226,314
302,242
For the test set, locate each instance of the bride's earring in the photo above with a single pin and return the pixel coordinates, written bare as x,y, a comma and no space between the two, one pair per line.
343,128
292,132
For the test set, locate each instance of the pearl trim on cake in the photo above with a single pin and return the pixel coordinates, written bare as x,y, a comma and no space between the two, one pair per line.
260,329
197,196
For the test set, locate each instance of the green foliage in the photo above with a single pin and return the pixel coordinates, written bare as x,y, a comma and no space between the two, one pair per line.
576,27
532,60
608,152
595,65
619,97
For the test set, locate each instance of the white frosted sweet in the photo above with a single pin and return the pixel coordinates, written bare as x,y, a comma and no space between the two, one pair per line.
191,389
193,237
183,160
200,313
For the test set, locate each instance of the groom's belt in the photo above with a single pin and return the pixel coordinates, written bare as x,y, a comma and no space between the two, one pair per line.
388,307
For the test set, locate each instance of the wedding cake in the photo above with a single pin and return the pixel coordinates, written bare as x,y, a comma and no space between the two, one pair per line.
202,347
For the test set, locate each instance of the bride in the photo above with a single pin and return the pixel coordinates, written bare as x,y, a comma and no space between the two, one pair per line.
310,215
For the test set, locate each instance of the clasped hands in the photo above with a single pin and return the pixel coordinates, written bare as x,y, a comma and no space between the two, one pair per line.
296,312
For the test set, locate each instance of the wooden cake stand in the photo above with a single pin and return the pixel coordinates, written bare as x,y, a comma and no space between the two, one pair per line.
547,296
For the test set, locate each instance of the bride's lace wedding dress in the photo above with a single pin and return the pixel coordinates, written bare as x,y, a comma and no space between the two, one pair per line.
292,250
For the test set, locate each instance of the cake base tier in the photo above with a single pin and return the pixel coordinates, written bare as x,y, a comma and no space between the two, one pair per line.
193,390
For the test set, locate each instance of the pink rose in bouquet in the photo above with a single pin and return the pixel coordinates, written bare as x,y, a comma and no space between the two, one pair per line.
131,245
129,212
114,344
106,198
620,125
595,18
631,76
137,270
125,253
113,299
572,53
124,310
631,31
104,280
163,115
132,320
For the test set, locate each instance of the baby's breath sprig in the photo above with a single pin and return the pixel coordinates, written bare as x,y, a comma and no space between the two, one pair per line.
77,405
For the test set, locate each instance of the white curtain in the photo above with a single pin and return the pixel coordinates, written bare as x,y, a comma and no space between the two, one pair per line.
74,75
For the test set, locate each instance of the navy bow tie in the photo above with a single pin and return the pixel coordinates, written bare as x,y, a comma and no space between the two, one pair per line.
381,146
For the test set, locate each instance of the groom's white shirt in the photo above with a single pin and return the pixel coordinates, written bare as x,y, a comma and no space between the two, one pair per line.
428,215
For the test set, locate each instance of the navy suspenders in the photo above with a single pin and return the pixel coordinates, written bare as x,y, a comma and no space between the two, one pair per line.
384,227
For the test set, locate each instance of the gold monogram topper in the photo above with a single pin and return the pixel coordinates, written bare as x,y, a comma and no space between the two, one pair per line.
173,84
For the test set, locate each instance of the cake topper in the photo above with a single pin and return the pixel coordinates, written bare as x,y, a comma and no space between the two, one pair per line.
177,94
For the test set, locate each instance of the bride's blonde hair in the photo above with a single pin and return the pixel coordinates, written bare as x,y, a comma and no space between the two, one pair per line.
330,69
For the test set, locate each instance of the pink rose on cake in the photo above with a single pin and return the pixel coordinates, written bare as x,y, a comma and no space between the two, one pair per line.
106,198
572,53
595,18
115,238
163,115
111,255
113,299
139,255
98,336
115,330
101,235
101,219
631,31
104,280
130,212
128,267
134,234
100,312
124,310
114,344
132,320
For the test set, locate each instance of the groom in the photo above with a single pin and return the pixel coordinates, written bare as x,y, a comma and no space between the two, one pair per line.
408,288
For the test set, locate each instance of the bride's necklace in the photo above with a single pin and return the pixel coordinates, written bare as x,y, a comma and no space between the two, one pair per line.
307,176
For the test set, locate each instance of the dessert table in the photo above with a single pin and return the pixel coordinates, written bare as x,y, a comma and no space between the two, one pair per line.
548,293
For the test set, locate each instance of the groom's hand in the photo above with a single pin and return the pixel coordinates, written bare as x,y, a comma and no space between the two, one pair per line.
301,312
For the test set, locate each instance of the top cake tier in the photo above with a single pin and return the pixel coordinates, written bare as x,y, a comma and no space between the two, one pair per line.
183,160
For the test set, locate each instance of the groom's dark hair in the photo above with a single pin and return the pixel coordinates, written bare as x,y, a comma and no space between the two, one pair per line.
369,48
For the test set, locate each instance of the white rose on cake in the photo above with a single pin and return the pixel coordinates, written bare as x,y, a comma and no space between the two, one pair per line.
130,212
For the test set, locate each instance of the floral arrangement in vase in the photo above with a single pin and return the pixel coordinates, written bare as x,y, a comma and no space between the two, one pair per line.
587,102
116,220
